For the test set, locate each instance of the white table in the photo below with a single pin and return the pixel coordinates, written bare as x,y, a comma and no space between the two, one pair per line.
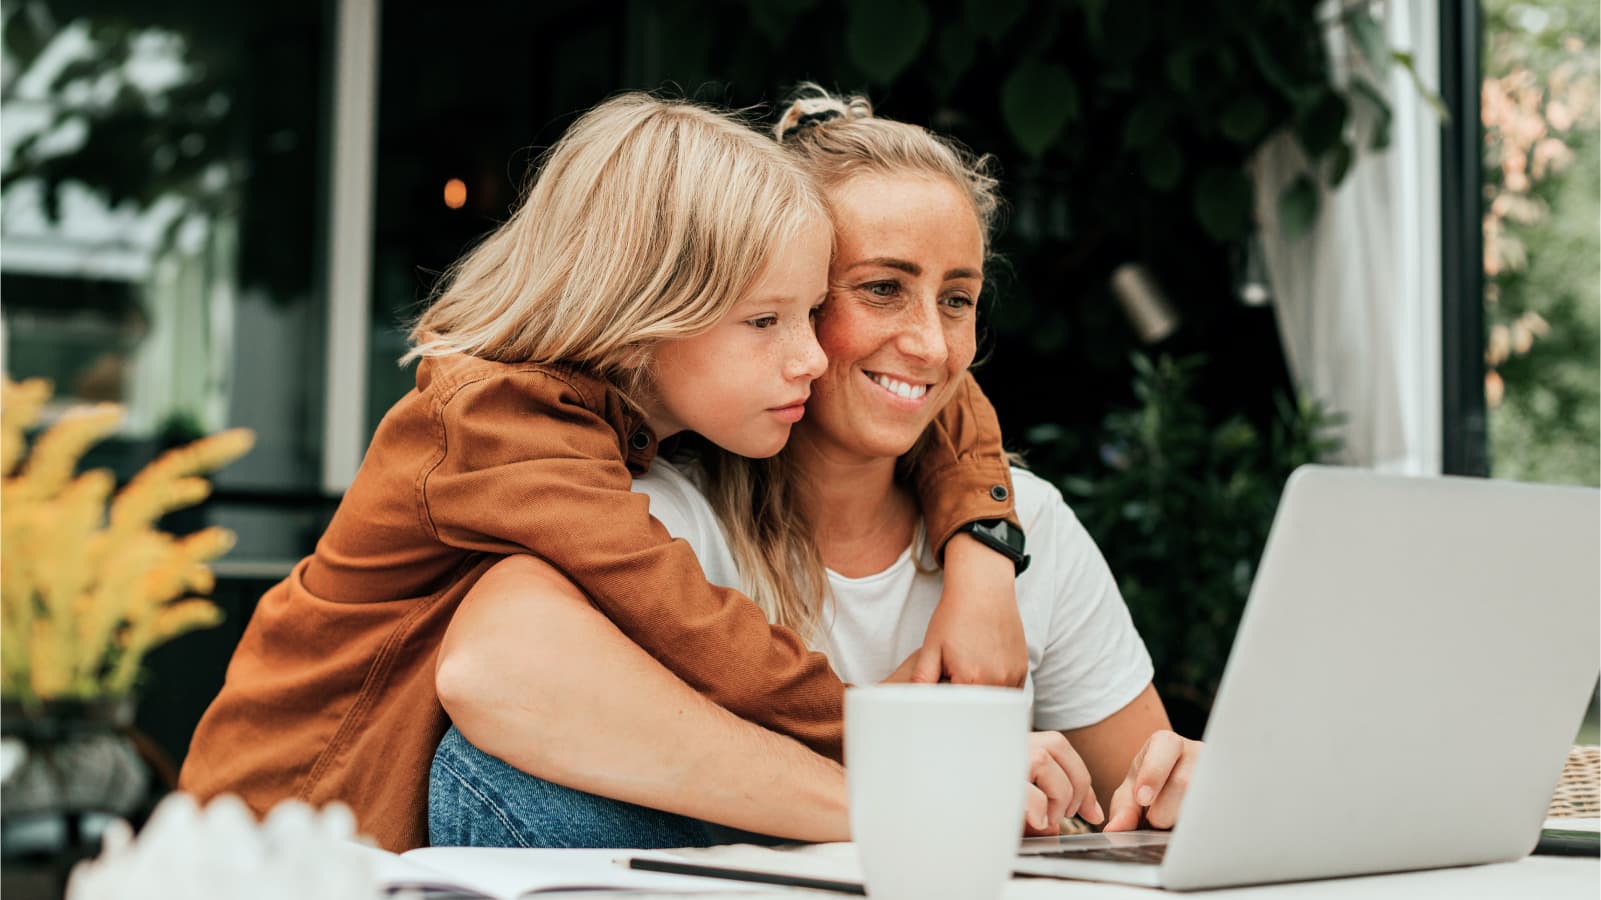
1544,877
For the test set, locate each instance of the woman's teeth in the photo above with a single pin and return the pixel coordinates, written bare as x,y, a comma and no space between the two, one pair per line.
899,388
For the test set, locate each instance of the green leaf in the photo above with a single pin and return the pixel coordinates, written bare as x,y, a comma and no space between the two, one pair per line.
990,19
1378,106
1223,203
1094,19
1322,126
1368,35
1243,120
1037,101
1431,98
775,18
1299,94
1144,126
1180,74
1162,165
1339,164
884,36
1298,207
23,38
955,49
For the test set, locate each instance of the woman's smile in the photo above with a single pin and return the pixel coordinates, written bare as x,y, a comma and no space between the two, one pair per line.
911,392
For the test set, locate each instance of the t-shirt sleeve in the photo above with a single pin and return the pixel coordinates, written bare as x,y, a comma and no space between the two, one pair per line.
963,475
1094,662
677,502
527,467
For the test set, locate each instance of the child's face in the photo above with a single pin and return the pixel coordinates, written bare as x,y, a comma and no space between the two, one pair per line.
744,383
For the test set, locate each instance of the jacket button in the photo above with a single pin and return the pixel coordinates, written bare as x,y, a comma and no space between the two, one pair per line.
999,492
639,440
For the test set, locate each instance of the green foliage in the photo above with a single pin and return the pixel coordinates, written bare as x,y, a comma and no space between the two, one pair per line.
1038,99
1543,251
1180,505
884,36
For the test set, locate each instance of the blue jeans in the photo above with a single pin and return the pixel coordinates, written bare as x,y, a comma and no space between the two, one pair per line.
476,800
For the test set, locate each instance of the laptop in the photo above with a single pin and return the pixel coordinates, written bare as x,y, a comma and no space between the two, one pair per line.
1413,662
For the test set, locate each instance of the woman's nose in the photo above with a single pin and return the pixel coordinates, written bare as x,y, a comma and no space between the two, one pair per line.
923,334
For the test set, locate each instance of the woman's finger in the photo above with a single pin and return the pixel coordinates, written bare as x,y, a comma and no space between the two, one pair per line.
1048,775
1084,802
1125,813
1164,812
911,667
926,670
1036,821
1152,766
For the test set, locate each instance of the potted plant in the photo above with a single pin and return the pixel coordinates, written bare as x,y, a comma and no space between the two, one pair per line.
88,585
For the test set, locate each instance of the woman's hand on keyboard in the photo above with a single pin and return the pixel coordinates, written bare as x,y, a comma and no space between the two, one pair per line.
1059,786
1157,780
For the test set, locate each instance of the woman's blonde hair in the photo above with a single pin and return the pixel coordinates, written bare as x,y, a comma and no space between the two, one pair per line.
646,221
761,503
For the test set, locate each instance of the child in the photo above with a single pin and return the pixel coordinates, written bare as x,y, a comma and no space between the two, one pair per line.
658,277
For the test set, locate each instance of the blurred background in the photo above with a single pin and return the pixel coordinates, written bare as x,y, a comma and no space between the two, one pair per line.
1241,235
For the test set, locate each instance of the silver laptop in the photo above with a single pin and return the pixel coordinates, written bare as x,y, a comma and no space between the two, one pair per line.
1414,660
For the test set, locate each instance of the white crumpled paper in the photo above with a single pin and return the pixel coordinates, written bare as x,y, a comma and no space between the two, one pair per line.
188,853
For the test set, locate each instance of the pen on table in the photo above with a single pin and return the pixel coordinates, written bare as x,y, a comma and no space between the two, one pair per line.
651,864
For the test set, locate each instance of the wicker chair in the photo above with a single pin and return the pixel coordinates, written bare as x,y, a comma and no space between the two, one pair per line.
1578,793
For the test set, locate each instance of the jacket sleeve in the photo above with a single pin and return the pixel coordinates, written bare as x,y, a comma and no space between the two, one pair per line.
527,467
963,474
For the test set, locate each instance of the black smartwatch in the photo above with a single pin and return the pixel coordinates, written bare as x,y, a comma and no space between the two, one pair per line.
999,535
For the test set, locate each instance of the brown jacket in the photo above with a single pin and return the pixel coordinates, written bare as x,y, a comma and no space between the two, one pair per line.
330,694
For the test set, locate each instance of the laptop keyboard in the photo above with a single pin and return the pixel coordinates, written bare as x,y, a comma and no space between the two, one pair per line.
1141,853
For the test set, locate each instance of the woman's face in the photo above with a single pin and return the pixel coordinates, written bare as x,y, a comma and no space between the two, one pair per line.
899,323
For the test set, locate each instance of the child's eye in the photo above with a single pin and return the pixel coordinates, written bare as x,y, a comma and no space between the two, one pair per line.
762,321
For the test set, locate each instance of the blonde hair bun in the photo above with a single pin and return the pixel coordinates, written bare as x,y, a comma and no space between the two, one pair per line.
812,105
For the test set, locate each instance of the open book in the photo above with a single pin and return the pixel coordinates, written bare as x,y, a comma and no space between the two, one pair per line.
485,873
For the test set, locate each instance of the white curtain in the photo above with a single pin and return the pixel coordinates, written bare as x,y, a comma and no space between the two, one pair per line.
1358,297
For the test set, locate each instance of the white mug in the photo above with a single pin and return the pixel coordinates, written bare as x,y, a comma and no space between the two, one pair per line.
937,775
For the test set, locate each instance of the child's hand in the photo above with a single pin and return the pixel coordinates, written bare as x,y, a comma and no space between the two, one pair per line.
1157,780
976,634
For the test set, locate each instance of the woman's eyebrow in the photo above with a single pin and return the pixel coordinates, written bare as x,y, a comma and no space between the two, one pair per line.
889,262
912,268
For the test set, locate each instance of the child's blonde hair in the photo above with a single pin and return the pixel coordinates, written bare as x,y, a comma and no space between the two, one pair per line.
647,221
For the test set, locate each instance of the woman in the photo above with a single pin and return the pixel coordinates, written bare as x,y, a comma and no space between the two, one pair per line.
833,516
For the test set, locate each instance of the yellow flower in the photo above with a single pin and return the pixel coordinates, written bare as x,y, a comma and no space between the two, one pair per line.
85,592
19,407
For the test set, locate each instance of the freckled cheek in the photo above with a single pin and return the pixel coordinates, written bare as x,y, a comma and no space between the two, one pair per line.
963,347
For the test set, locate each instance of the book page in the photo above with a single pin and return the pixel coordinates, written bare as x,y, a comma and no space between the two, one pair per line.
510,873
828,862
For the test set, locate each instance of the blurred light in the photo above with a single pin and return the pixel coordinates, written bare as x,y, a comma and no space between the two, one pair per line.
455,193
1143,302
1251,278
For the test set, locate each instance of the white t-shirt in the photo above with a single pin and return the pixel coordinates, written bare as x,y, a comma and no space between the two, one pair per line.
1086,661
